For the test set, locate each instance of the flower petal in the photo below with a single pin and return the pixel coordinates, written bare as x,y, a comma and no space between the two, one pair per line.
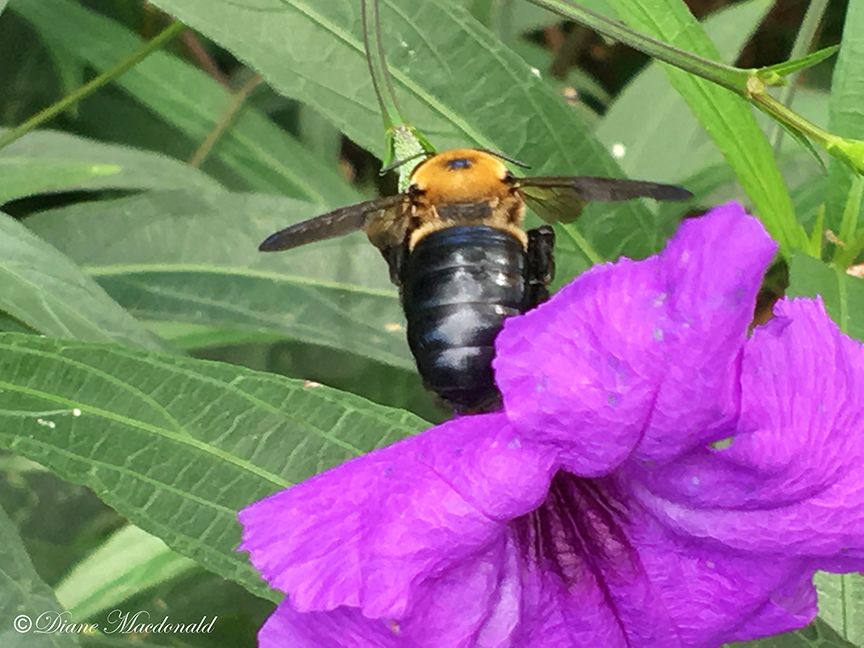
339,628
366,534
793,477
550,580
639,353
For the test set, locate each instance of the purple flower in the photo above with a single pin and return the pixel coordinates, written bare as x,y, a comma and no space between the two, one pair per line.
657,478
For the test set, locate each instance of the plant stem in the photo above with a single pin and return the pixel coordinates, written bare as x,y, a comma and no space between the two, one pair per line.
91,86
803,43
750,84
377,62
844,255
725,75
238,99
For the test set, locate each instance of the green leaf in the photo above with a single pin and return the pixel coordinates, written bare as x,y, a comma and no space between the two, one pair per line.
127,563
846,113
43,289
202,266
23,595
817,635
505,107
841,604
790,67
191,337
726,117
267,157
20,177
10,324
41,157
665,141
843,294
179,468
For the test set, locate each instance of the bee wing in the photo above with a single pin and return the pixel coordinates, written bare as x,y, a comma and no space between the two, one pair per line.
378,218
561,199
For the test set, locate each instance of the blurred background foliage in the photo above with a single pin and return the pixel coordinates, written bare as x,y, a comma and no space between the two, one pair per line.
134,217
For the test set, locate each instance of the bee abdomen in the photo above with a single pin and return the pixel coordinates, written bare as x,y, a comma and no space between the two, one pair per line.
458,286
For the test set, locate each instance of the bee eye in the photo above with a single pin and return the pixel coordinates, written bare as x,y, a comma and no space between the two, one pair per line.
458,163
414,191
509,178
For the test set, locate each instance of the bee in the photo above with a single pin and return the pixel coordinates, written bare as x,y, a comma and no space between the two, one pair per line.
456,248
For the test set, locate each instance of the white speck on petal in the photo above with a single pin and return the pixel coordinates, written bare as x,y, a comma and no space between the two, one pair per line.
536,73
311,384
392,327
658,334
76,412
46,423
618,150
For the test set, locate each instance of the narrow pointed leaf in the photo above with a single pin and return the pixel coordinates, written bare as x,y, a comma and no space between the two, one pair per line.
24,597
43,289
268,158
846,115
42,157
790,67
128,563
202,266
177,445
431,48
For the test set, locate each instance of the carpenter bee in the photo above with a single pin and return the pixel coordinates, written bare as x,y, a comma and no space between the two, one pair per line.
457,250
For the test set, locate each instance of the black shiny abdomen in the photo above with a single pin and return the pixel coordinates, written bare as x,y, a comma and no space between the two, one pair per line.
458,286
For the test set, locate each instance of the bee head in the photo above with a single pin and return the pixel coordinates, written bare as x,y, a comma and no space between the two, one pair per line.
461,176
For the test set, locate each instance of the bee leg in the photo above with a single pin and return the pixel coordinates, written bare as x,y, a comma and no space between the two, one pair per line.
395,256
539,265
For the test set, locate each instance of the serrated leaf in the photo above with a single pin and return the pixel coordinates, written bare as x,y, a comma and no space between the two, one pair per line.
843,294
266,156
176,445
201,265
42,156
43,289
505,107
23,595
846,113
129,562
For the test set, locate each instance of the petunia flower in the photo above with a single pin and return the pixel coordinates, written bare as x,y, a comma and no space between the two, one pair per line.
656,478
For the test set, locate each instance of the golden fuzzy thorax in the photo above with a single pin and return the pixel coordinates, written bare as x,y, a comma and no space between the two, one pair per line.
482,180
465,176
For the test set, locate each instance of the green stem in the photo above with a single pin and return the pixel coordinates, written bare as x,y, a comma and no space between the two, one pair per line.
803,42
727,76
760,98
750,84
91,86
844,255
377,62
238,100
